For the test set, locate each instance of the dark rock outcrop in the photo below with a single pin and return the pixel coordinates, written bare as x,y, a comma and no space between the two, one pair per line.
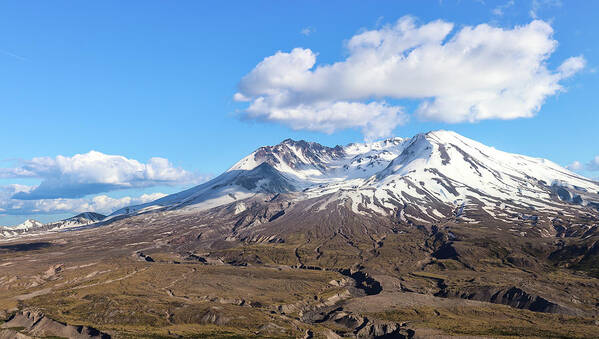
363,281
511,296
518,298
363,327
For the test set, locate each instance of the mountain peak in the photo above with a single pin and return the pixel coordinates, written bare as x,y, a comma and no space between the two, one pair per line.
441,132
28,224
291,142
446,135
436,170
90,216
290,155
31,226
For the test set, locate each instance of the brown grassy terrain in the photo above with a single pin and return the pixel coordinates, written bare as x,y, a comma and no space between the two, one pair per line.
196,275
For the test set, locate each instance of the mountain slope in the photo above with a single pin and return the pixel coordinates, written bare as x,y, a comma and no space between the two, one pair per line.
28,224
414,232
230,186
443,169
31,226
81,219
311,163
429,178
287,167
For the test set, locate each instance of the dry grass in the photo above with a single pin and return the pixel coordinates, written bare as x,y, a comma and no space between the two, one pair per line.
495,321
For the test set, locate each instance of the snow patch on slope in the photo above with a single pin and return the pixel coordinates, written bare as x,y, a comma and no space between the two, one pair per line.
428,178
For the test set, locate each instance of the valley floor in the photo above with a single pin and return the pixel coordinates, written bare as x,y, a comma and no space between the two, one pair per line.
156,283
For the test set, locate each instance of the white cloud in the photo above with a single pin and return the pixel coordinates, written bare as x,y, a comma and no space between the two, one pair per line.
106,204
501,8
571,66
92,173
593,165
100,204
575,166
307,30
377,119
475,73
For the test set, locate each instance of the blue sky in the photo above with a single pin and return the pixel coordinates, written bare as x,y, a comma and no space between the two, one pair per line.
156,79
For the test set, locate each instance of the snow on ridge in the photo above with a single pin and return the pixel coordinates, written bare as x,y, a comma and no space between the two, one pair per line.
313,163
28,224
31,226
427,171
443,167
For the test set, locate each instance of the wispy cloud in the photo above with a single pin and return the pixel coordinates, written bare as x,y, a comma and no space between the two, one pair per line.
12,55
593,165
537,5
307,31
499,10
575,166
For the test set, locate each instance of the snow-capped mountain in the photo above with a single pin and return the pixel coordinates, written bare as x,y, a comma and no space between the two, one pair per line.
28,224
31,226
427,179
287,167
441,170
81,219
309,163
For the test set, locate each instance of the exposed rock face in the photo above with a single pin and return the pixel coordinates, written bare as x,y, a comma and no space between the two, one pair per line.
143,257
583,256
53,271
518,298
366,328
511,296
287,151
363,281
36,324
254,179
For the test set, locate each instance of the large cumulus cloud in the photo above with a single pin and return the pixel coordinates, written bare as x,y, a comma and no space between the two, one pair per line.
467,74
